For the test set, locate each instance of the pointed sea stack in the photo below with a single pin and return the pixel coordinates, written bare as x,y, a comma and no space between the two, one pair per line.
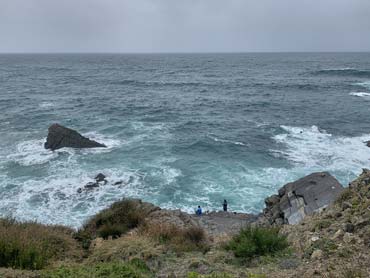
63,137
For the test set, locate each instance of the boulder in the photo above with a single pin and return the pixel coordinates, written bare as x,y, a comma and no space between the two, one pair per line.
302,197
61,137
91,185
100,177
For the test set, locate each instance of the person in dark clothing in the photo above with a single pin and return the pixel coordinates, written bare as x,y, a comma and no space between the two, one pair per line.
225,205
199,211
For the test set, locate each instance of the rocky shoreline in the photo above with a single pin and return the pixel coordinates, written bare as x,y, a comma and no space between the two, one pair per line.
325,225
293,202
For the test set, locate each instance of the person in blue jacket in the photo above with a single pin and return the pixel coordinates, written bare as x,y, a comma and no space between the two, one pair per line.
199,211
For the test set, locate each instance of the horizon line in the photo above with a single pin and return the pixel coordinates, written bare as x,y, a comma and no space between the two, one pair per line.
185,52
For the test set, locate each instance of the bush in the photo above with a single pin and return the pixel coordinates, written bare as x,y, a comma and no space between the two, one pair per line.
113,221
32,245
252,242
181,240
102,270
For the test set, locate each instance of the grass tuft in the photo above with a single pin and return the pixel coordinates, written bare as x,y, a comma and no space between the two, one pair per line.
32,246
180,239
106,270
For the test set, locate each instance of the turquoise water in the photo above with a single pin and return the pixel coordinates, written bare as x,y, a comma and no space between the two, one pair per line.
181,129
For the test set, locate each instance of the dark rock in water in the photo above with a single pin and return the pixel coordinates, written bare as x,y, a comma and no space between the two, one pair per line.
367,143
100,177
79,190
302,197
91,185
61,137
118,183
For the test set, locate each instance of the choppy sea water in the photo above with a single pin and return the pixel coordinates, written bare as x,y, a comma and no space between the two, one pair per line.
182,129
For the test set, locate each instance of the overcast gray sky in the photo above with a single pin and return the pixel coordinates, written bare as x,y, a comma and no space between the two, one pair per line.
184,25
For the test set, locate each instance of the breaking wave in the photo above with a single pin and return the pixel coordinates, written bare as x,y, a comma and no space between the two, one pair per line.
318,150
343,72
360,94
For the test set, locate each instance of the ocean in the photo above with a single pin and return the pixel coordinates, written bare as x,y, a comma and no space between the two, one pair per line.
182,130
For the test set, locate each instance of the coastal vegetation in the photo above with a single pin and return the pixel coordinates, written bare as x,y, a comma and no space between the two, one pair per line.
32,246
257,241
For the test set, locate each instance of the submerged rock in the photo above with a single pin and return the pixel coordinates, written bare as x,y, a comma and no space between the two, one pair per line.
61,137
302,197
91,185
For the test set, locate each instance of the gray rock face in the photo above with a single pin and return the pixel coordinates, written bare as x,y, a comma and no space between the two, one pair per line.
61,137
302,197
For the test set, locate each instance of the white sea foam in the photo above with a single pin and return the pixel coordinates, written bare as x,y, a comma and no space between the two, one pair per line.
55,200
360,94
109,141
227,141
46,104
32,152
365,84
339,69
316,149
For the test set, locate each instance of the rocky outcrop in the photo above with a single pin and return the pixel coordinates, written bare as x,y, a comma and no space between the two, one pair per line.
297,199
61,137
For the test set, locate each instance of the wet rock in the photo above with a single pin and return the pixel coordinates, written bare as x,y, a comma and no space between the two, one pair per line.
118,183
61,137
100,177
79,190
91,185
302,197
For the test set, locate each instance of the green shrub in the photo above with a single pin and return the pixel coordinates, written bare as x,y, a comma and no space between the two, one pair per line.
32,245
257,241
102,270
112,230
113,221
